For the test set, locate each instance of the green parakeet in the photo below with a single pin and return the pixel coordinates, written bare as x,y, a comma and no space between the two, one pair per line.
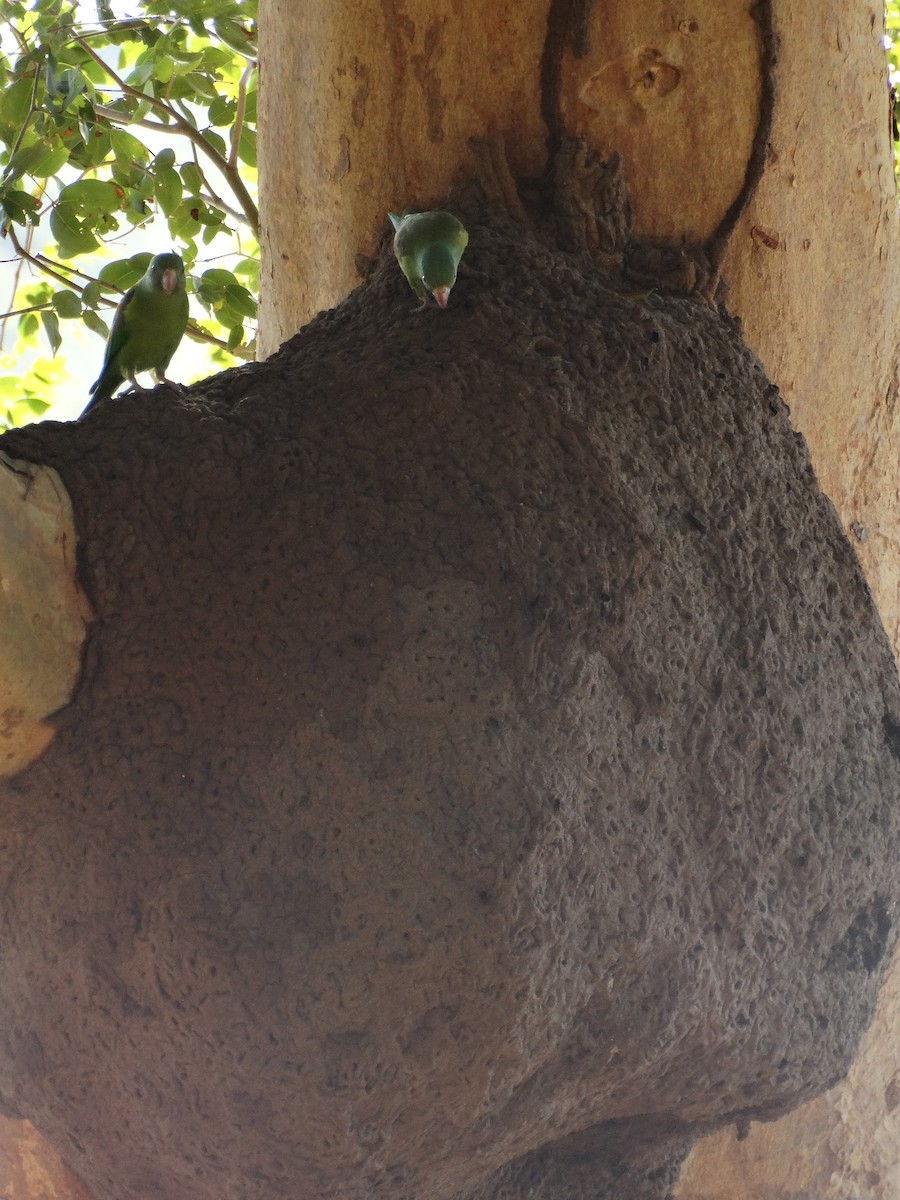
149,323
428,247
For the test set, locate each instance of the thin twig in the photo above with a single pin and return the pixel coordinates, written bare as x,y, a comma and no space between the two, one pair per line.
35,260
21,312
238,127
217,201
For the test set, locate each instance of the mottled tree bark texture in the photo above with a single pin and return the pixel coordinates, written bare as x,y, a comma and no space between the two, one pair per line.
483,779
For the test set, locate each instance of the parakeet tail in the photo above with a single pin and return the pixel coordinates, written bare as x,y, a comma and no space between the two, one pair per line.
103,388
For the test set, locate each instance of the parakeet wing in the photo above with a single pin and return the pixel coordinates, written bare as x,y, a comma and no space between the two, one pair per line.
117,336
118,330
417,230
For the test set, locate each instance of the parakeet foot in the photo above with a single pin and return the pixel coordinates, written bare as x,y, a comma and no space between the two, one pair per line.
176,387
135,387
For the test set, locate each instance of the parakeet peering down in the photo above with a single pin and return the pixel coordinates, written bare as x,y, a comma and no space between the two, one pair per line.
149,323
428,247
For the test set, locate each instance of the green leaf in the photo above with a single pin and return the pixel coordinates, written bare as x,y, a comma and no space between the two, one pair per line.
15,105
164,161
215,59
249,269
239,300
92,195
50,322
91,294
10,389
63,88
125,272
71,237
138,210
28,326
36,405
238,37
193,180
66,304
38,292
52,160
200,85
165,69
217,143
126,147
141,74
39,160
20,207
184,223
95,322
168,191
216,277
250,105
222,111
247,146
83,210
91,150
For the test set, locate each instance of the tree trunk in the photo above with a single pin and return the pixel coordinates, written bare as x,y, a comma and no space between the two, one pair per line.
483,774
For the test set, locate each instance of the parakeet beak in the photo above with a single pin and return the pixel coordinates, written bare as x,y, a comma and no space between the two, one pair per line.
169,280
442,295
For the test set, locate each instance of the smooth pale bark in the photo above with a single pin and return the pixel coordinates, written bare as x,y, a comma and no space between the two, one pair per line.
841,1144
43,612
30,1169
814,272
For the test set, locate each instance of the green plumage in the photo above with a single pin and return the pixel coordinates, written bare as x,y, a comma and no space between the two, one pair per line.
428,247
149,323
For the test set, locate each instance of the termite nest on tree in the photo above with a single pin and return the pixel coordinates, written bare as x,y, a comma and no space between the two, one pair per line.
581,205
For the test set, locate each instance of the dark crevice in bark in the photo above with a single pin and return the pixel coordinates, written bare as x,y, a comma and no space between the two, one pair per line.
764,15
687,269
568,23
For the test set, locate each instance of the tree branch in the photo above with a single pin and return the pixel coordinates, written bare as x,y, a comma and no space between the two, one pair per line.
40,261
186,129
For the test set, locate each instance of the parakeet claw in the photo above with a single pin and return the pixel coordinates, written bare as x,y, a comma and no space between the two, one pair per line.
135,387
173,384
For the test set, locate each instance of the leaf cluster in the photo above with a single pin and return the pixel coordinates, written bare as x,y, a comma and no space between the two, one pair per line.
108,124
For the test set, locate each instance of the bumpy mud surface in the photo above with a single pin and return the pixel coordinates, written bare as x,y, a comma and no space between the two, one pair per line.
484,774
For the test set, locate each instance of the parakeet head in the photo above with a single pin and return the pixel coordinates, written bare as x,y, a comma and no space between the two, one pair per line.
428,247
438,265
166,272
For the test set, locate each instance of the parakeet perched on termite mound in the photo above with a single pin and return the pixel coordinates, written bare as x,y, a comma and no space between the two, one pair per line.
428,246
149,323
